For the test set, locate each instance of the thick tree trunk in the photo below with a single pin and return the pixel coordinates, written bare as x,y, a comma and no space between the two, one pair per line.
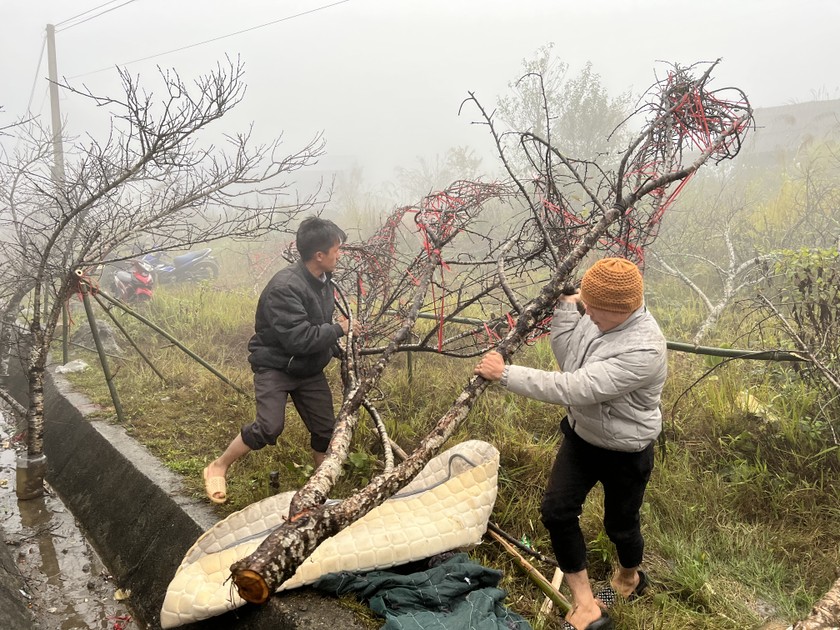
35,411
825,615
31,467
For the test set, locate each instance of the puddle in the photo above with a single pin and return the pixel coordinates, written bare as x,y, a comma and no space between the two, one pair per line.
66,584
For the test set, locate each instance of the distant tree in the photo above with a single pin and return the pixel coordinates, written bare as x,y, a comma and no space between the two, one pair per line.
801,293
813,218
724,234
574,113
708,247
359,204
426,176
150,185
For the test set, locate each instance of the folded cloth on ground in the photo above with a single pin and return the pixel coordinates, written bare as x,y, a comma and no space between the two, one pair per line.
456,594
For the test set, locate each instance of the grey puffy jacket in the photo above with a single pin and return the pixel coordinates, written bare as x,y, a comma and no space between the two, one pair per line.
611,383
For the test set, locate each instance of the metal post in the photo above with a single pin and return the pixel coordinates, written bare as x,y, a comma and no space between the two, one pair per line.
130,340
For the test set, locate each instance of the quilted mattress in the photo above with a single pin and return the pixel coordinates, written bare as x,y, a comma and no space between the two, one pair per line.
446,506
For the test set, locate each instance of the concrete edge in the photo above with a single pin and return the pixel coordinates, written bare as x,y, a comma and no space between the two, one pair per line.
14,611
137,516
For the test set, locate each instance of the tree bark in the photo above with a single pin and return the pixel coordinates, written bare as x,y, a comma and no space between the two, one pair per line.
35,411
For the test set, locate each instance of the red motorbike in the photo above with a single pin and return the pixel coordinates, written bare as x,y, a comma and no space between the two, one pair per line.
134,284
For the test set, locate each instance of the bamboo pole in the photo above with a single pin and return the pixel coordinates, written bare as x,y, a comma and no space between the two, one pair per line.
538,578
177,343
679,346
548,604
735,353
103,360
128,337
548,560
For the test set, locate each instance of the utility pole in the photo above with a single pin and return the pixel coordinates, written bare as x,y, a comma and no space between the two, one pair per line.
58,160
58,147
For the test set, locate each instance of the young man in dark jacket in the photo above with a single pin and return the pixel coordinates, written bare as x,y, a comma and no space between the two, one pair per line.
294,340
614,365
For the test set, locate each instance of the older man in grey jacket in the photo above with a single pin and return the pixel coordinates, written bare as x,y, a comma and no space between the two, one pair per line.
613,364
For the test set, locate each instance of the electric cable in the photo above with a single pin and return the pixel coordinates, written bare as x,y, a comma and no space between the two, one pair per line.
93,17
214,39
37,70
43,99
70,19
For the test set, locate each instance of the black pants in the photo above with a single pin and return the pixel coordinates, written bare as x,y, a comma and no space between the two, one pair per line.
577,468
312,399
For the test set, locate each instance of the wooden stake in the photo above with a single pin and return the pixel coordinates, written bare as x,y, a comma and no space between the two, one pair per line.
556,580
538,578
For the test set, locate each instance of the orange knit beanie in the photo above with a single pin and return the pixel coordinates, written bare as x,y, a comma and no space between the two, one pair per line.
612,284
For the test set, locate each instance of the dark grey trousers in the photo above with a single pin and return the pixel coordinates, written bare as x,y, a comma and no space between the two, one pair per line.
312,399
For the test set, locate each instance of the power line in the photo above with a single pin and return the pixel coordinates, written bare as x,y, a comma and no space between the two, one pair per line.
93,17
215,39
43,100
37,70
70,19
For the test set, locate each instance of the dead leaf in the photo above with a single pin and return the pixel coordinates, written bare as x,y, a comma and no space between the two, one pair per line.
121,594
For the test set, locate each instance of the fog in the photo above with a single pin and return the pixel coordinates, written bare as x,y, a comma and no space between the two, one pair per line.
384,80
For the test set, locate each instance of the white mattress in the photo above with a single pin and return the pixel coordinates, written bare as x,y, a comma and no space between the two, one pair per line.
447,506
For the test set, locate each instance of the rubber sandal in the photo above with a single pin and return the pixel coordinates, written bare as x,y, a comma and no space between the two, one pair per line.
214,487
641,587
602,623
608,596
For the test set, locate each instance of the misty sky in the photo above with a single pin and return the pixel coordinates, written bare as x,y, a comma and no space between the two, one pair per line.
384,79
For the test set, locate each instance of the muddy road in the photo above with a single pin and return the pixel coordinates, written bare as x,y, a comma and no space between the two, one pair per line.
65,584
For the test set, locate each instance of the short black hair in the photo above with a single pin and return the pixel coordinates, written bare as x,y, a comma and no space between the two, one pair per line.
315,235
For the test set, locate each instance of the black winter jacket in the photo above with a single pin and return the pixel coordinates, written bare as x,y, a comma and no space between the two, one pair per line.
293,329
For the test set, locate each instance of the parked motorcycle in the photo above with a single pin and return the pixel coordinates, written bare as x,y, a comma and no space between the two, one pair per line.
134,284
189,267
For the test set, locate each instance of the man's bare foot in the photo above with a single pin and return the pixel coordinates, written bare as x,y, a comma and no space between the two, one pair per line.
214,469
624,582
629,583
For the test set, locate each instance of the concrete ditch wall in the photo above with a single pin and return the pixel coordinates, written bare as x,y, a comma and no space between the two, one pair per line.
13,609
141,522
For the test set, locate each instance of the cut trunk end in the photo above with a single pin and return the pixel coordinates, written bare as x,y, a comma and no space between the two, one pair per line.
251,586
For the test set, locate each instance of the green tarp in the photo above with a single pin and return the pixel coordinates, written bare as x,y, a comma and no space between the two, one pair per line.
457,594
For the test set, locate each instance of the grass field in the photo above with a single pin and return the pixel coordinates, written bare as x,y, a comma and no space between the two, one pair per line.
741,518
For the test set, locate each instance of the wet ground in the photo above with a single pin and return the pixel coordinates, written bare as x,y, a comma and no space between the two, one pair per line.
65,584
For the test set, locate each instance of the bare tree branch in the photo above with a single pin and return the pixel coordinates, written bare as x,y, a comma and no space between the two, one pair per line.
682,113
